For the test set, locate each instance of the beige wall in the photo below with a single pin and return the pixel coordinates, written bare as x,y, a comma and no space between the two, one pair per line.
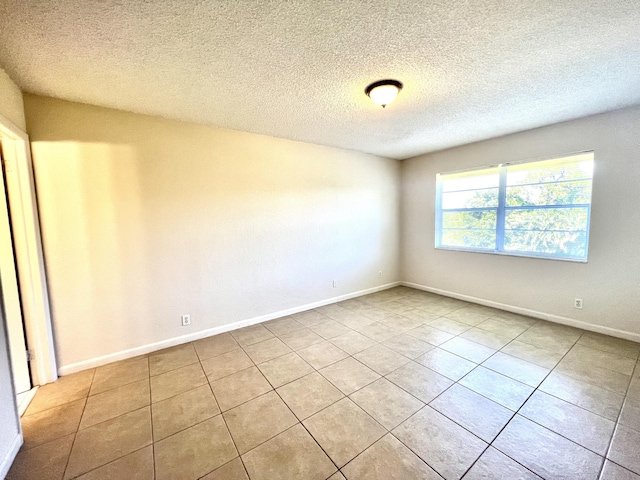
11,106
609,283
145,219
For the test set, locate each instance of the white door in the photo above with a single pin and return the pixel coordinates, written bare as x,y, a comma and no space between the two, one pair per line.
11,293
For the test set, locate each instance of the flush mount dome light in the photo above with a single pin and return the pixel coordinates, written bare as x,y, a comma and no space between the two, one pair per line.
383,92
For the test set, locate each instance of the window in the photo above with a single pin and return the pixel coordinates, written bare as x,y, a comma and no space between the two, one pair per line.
535,209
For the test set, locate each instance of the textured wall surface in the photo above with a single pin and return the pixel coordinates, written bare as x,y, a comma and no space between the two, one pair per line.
608,283
145,219
11,106
298,69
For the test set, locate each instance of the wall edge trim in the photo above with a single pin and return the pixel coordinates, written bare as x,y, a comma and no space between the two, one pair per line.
171,342
7,461
572,322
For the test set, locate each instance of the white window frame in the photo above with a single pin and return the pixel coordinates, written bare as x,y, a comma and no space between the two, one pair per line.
502,208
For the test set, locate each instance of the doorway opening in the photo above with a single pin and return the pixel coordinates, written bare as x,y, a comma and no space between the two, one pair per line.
22,265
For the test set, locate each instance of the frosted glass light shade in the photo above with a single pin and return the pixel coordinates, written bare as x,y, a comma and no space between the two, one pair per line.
383,92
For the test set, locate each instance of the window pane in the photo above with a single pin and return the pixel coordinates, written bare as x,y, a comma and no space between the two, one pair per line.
559,231
469,229
480,219
474,180
575,167
470,199
564,193
485,239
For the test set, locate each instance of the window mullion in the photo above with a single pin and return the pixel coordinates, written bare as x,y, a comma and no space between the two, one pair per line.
502,201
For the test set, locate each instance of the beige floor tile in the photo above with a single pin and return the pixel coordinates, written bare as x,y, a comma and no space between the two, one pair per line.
114,403
349,375
503,390
469,316
581,426
194,452
400,323
234,470
172,359
45,462
355,320
283,325
419,381
530,353
301,339
590,397
322,354
226,364
64,390
474,412
388,459
292,455
495,465
513,367
544,340
554,455
373,313
287,368
310,318
601,377
555,330
420,315
107,441
267,349
309,395
258,420
330,329
467,349
240,387
448,325
630,416
215,345
612,471
430,335
42,427
625,447
337,476
177,381
447,364
183,411
446,447
343,430
610,344
514,318
408,346
602,359
503,327
381,359
135,466
252,334
377,331
486,338
352,342
120,373
396,307
387,403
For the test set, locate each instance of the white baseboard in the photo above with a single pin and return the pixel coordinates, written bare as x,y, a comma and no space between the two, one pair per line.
8,459
24,399
170,342
572,322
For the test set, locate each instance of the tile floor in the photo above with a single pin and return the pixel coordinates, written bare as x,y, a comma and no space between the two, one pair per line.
400,384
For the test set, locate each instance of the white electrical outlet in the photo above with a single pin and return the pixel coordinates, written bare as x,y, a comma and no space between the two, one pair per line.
577,303
334,284
186,320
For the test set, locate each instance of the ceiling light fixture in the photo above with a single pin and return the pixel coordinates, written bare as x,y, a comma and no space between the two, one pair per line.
383,92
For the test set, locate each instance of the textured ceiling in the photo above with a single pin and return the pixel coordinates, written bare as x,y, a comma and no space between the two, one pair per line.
297,69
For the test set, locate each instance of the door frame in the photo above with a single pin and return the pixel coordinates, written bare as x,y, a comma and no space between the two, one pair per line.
27,241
